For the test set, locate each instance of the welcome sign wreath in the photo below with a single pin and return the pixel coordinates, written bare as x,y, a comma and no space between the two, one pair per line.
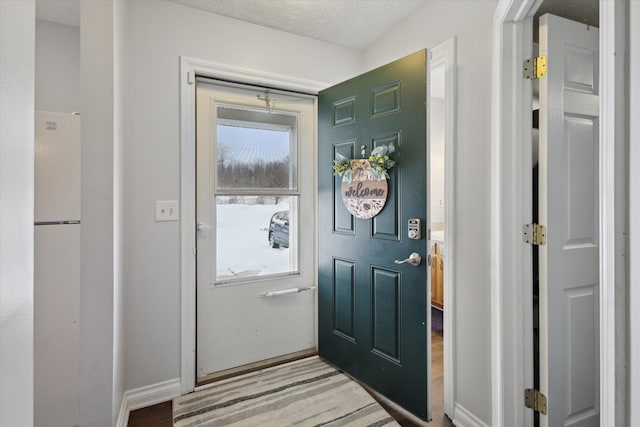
364,181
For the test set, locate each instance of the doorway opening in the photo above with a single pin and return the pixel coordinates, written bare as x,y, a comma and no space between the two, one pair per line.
255,242
565,150
191,67
512,341
438,225
441,201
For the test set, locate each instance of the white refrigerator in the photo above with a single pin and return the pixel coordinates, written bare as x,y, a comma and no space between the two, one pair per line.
57,269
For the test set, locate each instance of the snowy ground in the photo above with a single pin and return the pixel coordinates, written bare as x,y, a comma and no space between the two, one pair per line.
243,245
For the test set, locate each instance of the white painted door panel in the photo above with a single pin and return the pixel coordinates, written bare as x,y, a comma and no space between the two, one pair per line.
569,112
235,326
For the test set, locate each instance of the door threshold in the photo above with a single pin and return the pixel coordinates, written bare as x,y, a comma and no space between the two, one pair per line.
395,410
255,366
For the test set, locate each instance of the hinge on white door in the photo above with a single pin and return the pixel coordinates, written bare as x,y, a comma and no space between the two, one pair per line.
535,234
535,400
534,68
191,77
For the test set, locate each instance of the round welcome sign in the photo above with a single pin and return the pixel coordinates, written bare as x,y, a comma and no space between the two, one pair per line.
363,195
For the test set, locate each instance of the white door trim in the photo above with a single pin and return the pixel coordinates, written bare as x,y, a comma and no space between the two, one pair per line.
189,68
444,55
511,278
511,318
612,178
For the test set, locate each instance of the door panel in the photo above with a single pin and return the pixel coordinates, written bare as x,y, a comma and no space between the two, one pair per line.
568,183
372,312
385,316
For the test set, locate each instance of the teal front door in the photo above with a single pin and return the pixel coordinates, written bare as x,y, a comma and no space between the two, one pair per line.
372,310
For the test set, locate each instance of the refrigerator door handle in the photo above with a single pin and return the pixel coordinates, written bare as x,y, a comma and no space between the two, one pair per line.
73,222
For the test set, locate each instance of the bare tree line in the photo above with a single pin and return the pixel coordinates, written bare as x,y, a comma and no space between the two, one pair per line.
257,174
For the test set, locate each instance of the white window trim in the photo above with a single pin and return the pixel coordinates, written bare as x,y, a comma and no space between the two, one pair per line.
189,68
511,207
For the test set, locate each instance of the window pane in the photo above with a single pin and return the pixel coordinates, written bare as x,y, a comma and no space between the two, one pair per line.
255,150
256,236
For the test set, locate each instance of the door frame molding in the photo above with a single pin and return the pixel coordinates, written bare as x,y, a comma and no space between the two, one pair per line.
189,68
511,266
444,55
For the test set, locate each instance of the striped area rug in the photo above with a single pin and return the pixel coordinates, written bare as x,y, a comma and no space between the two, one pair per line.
306,392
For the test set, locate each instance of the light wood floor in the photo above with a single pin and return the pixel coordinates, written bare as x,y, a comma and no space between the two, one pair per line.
160,415
437,383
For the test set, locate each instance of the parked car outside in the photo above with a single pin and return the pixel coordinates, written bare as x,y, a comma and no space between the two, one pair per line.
279,230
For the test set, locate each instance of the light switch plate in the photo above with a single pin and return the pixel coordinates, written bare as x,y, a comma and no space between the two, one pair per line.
167,210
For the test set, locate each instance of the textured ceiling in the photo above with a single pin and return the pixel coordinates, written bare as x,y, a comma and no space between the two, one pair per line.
353,23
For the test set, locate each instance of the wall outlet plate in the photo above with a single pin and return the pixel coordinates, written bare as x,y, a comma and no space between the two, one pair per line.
167,210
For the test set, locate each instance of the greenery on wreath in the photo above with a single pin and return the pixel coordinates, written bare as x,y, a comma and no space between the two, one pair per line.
379,160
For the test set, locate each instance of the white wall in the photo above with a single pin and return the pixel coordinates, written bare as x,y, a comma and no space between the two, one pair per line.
101,370
634,215
471,22
157,33
57,67
17,51
119,325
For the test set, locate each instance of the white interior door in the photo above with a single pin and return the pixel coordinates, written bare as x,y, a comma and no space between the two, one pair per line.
256,230
569,112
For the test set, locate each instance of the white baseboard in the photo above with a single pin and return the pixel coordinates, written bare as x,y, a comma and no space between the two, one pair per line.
462,417
123,416
147,396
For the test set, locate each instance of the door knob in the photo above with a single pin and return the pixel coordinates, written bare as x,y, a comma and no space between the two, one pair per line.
414,259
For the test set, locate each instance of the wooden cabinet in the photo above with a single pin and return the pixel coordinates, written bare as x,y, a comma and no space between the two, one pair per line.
437,276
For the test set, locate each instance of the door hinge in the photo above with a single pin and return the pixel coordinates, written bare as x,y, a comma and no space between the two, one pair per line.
535,234
191,77
535,400
535,68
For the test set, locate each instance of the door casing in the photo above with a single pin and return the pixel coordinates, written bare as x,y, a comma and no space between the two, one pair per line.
511,325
